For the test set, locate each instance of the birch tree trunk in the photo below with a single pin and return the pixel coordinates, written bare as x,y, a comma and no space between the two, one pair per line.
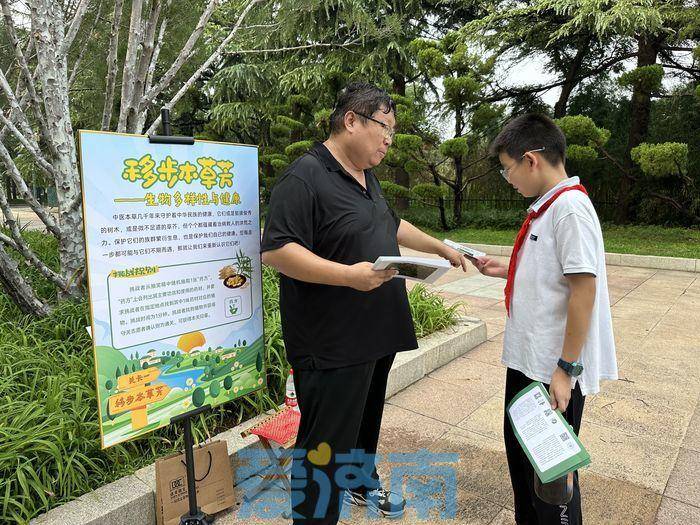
52,69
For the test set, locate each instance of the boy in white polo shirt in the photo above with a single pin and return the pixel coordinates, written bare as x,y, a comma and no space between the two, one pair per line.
559,328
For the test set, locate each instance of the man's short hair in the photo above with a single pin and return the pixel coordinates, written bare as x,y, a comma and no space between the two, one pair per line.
359,97
530,132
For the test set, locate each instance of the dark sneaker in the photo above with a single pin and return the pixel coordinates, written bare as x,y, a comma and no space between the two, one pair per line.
383,502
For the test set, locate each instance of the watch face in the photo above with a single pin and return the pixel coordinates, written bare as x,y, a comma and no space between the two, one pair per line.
576,369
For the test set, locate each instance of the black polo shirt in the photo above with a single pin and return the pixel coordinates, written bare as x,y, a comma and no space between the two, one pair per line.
320,206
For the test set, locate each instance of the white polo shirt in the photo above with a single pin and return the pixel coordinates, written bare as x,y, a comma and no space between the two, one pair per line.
565,239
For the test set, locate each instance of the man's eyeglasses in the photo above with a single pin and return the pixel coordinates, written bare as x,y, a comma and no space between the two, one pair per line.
504,171
388,132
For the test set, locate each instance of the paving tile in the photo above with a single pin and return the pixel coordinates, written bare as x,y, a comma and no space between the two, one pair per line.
633,458
637,329
488,352
672,512
473,510
494,291
487,419
685,278
692,435
440,400
658,385
505,517
476,305
482,468
660,292
684,483
468,284
606,500
455,275
636,416
477,378
632,308
406,431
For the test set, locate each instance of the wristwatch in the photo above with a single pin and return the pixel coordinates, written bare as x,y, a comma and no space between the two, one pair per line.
573,369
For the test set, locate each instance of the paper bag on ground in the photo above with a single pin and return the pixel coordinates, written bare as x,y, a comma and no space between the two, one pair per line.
547,439
214,483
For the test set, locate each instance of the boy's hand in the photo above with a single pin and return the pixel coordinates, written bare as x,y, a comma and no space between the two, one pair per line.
490,267
560,389
457,260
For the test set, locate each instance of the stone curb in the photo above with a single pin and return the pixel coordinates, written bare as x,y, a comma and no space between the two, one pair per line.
131,499
616,259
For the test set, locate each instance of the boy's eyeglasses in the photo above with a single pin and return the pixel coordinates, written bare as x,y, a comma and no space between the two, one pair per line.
504,171
388,132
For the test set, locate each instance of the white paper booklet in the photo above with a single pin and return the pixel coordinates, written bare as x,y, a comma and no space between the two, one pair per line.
466,250
415,268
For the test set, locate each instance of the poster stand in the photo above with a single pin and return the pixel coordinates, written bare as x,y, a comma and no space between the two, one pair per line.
194,516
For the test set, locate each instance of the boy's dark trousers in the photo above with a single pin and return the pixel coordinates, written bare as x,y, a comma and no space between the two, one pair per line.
529,509
342,407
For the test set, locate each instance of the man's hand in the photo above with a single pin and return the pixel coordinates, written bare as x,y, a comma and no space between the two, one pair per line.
491,267
456,259
362,277
560,389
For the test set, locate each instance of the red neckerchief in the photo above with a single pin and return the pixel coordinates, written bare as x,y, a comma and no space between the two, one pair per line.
522,234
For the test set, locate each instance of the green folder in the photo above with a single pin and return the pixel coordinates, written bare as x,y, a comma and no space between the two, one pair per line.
549,442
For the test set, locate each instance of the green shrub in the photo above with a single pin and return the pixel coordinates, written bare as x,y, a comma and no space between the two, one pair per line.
391,189
454,147
661,160
428,192
298,148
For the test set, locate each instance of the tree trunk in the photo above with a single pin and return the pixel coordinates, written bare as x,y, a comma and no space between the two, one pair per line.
571,81
112,65
17,288
401,176
459,194
639,123
441,203
47,28
128,111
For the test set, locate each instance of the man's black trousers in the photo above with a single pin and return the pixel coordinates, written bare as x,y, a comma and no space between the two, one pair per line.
343,408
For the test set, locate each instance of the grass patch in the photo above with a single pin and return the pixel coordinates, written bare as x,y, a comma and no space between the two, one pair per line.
430,314
639,240
49,431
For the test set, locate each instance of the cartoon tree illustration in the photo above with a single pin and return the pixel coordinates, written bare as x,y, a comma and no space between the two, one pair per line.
215,389
198,396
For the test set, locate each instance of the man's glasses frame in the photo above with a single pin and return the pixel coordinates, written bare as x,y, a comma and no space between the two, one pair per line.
504,171
388,132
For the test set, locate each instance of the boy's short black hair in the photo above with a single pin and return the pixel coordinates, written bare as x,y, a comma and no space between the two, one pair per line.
360,97
530,132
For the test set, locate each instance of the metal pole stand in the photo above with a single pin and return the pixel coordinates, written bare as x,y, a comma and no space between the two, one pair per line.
194,516
166,137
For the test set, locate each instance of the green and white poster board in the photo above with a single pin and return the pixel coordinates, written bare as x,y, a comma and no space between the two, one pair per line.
172,237
547,439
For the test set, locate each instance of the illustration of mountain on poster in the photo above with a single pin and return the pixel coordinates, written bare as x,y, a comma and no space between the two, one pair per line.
172,237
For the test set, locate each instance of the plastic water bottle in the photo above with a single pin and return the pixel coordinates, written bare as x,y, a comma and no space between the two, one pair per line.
290,398
556,492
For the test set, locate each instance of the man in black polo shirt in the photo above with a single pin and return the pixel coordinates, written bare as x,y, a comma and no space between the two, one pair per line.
342,322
